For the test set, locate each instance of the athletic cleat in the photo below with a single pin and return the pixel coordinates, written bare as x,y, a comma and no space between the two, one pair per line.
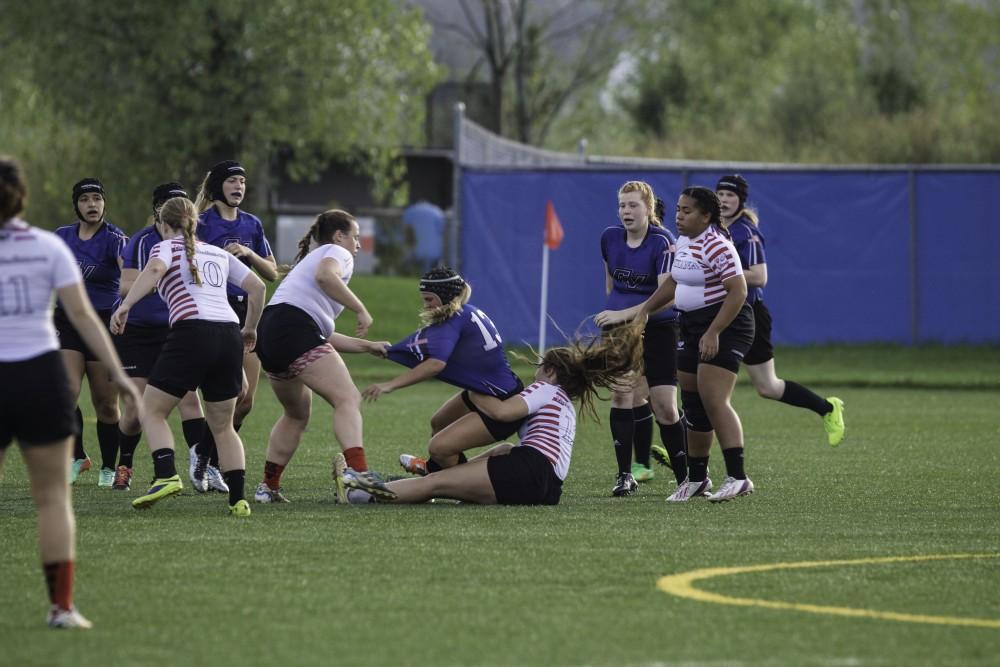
76,467
339,468
215,481
106,478
660,455
641,473
625,486
413,464
241,508
265,494
123,479
367,481
198,471
161,488
687,490
732,488
67,619
833,421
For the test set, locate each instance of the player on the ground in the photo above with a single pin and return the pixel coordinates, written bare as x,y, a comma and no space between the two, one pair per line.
459,345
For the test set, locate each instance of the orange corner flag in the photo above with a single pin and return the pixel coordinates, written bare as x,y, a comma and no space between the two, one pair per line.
553,229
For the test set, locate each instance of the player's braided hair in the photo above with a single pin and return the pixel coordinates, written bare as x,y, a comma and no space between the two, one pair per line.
179,214
645,191
450,287
586,364
13,188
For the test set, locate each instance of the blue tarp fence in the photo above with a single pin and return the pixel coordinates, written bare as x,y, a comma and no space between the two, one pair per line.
854,255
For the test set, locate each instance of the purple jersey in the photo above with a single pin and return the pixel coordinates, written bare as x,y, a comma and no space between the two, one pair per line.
98,261
246,230
150,310
635,271
471,348
749,243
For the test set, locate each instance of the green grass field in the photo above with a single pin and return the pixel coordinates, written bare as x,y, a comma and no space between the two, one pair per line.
314,583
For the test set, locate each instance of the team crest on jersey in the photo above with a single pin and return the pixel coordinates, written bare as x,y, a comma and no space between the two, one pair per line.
629,278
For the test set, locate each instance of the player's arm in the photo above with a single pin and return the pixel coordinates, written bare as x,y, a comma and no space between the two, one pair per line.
342,343
662,297
510,410
328,277
256,292
267,267
736,295
127,280
425,370
756,275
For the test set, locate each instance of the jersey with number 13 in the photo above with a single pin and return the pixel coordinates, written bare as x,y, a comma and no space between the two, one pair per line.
471,348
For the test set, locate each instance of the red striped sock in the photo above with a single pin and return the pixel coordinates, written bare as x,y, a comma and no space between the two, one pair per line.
59,580
272,475
356,458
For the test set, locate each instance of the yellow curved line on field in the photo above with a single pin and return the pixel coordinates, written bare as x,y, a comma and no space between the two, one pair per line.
682,585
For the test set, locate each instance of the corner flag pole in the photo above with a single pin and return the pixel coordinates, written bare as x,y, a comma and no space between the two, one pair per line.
552,238
545,300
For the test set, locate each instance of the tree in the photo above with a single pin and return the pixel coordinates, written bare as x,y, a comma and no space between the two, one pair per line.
167,89
550,52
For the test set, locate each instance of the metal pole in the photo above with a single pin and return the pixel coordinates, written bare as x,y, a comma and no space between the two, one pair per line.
456,195
543,310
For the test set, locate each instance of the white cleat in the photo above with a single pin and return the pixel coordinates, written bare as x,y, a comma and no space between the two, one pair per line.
732,488
687,490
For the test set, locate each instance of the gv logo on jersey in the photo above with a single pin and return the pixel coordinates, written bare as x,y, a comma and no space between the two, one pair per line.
630,279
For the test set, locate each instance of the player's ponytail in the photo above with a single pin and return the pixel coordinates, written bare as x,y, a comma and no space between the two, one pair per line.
180,215
586,364
203,201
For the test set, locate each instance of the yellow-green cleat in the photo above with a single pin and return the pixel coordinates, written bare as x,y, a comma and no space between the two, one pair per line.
833,421
241,508
160,489
660,455
642,473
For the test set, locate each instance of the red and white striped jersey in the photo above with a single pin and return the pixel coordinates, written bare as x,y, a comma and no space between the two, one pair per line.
700,266
551,424
187,300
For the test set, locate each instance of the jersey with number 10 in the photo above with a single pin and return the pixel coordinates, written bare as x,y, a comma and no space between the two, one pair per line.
471,348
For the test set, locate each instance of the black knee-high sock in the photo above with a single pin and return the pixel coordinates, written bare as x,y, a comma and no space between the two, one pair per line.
697,468
801,397
434,466
674,438
623,432
163,463
78,452
206,446
235,479
126,448
107,438
642,434
193,428
734,462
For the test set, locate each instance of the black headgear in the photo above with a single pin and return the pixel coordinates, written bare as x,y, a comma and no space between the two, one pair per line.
167,191
83,187
736,184
444,282
218,175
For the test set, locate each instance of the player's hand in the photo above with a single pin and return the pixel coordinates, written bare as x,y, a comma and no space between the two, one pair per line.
249,339
708,346
606,318
372,393
118,320
379,348
364,323
237,249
